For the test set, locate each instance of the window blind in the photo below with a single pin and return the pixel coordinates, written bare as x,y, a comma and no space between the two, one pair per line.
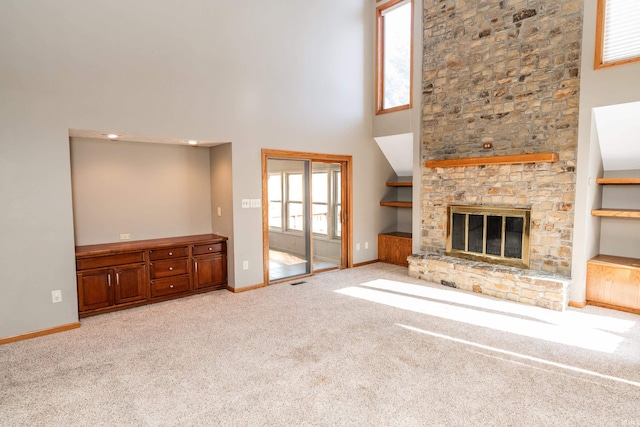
621,30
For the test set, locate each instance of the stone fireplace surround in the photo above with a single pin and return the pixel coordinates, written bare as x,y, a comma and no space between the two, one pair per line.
534,185
501,78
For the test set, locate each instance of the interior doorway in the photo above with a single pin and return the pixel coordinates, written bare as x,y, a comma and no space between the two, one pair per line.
306,211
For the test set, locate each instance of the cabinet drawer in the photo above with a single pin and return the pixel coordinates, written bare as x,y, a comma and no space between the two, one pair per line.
167,253
170,267
169,286
209,248
109,260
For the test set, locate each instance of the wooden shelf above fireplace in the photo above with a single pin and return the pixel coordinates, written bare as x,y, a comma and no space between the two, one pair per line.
494,160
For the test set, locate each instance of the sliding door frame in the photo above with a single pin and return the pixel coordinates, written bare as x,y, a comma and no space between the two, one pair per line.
347,200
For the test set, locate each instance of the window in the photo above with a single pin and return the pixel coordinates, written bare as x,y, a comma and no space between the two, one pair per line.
295,220
394,46
275,200
326,202
337,203
320,198
617,32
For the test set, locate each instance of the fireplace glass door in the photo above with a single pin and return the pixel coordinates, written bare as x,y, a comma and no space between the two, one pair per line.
499,235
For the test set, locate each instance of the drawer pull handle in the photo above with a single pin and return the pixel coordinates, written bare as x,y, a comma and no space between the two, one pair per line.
171,286
170,268
210,249
170,253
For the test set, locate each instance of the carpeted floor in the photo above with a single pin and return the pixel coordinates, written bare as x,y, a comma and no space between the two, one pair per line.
364,346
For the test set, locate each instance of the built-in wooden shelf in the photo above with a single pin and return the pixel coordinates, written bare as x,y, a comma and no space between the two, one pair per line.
399,184
494,160
618,181
397,204
617,213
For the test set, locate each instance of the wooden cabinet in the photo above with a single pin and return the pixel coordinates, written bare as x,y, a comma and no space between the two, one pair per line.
210,265
614,282
113,285
169,271
394,248
115,276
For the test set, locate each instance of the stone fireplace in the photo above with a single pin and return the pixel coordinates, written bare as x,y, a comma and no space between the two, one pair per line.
500,80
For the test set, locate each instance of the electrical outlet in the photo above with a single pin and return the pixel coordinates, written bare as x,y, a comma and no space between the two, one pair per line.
246,203
357,246
245,265
366,245
125,236
56,296
219,211
255,203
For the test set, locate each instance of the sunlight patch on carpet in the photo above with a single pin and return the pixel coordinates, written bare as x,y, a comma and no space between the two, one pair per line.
573,333
522,356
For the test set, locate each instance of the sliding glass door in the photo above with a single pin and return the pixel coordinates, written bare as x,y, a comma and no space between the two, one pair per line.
304,217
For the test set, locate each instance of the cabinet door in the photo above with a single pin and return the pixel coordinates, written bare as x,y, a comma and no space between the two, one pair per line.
210,271
130,283
94,289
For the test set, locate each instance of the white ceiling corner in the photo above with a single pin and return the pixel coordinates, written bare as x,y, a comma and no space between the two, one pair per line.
398,149
618,128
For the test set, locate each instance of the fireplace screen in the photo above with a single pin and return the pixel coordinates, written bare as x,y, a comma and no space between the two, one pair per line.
491,234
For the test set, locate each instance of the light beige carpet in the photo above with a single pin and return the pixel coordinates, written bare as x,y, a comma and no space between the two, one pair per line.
365,346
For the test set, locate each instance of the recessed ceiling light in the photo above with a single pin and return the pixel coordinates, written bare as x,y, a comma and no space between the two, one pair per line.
112,136
192,142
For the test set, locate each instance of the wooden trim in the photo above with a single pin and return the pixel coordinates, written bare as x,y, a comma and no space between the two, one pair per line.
494,160
362,264
245,288
617,213
578,304
613,307
399,184
379,69
397,204
618,181
598,58
40,333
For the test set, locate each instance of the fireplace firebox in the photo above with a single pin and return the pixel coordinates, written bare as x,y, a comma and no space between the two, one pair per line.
498,235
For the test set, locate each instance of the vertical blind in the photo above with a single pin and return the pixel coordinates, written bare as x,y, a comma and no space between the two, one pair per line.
621,30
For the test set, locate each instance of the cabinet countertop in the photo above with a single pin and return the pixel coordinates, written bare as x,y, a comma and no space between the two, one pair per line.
135,245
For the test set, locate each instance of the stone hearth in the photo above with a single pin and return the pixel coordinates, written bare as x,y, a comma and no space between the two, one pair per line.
543,289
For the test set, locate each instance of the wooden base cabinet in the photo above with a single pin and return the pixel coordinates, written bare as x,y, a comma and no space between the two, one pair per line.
394,248
614,282
115,276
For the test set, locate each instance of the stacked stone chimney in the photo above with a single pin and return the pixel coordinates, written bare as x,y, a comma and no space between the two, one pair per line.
503,74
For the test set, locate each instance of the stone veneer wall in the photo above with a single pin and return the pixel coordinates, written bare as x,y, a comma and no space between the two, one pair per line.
506,73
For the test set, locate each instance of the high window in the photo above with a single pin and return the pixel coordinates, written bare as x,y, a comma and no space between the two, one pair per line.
617,32
394,46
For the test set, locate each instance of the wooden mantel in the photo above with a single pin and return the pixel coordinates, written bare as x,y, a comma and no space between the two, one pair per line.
494,160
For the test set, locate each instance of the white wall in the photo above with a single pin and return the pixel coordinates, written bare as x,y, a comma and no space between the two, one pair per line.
145,190
222,199
282,75
598,88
